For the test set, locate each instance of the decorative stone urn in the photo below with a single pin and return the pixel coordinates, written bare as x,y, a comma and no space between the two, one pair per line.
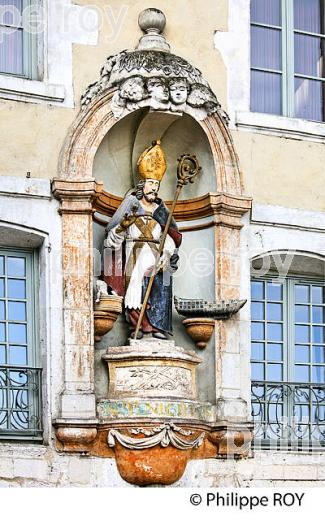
106,312
200,330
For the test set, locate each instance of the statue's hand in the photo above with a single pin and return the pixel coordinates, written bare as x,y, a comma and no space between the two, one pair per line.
126,222
164,262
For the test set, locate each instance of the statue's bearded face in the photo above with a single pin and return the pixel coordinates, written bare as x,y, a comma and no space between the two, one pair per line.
150,190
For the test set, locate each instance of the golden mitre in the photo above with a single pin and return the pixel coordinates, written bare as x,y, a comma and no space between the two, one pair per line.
152,163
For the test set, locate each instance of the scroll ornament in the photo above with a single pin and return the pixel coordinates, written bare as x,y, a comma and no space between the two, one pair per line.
163,435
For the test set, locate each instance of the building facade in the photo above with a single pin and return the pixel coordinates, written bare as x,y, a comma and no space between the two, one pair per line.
238,84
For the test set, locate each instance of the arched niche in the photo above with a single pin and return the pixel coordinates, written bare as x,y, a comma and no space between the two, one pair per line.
115,162
93,125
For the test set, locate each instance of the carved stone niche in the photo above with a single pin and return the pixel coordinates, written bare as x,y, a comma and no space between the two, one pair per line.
151,420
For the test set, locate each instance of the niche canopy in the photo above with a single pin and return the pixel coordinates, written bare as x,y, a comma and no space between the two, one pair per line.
151,76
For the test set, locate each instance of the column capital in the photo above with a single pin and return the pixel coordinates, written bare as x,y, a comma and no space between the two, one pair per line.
76,196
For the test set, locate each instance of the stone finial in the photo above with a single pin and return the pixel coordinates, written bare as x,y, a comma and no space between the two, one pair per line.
152,22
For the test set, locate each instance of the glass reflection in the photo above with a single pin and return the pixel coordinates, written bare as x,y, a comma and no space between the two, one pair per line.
302,354
17,289
257,311
258,351
2,311
274,352
302,313
274,372
17,311
17,355
257,331
257,290
17,333
2,332
274,291
16,266
302,373
257,371
302,293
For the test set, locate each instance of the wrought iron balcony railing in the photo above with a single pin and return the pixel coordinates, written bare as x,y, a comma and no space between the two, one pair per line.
288,415
20,402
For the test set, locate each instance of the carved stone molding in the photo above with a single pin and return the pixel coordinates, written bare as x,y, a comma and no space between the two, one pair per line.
151,76
227,209
162,435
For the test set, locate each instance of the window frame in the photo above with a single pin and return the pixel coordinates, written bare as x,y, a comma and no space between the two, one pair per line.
32,47
288,381
33,367
287,72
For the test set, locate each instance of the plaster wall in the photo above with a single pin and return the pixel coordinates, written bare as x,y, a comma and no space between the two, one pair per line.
26,466
32,133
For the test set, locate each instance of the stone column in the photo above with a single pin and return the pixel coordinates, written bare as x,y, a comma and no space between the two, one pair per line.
78,403
231,360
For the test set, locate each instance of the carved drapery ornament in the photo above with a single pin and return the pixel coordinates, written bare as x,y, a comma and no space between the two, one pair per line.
163,435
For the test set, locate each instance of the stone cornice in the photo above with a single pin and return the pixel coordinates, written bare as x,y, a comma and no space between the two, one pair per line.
225,208
76,196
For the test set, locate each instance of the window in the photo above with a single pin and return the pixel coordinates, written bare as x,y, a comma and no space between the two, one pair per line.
18,41
287,58
20,377
288,362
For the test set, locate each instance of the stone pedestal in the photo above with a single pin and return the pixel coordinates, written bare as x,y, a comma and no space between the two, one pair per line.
152,414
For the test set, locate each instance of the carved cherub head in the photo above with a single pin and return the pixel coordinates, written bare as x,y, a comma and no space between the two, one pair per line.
157,89
178,89
133,89
201,96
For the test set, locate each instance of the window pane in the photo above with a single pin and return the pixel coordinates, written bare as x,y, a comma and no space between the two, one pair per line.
274,291
2,265
302,293
274,352
266,48
11,51
318,374
307,15
11,15
266,92
258,371
302,373
274,311
266,11
2,311
318,334
318,355
258,351
302,313
318,314
2,288
302,334
309,102
16,289
309,51
17,355
16,266
274,372
257,290
274,332
257,311
17,311
2,332
17,333
302,354
2,354
257,331
318,294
